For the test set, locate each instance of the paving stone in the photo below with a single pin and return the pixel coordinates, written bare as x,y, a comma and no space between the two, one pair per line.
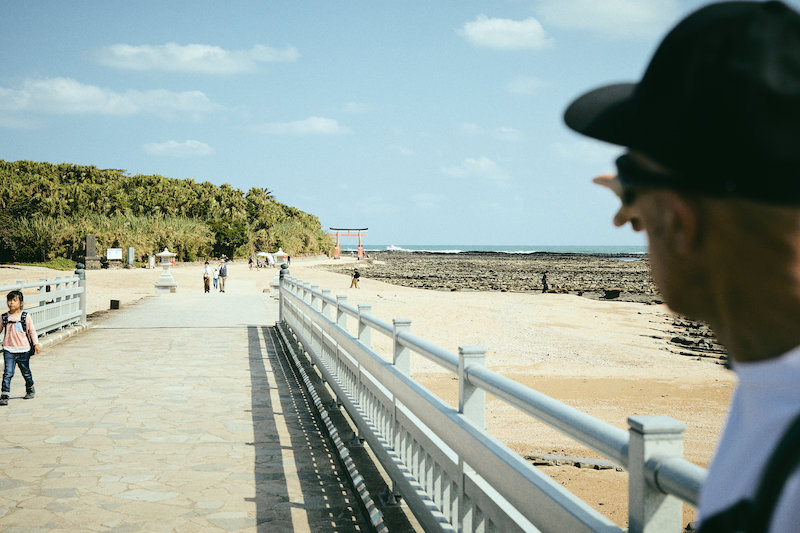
175,414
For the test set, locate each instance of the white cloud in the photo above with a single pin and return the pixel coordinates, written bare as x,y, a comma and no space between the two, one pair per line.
311,125
481,168
356,107
617,18
190,148
426,200
506,34
505,133
400,149
501,133
525,85
598,155
198,58
65,96
8,121
471,129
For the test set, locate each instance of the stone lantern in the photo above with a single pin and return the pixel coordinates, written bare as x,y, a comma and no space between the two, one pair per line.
166,283
280,256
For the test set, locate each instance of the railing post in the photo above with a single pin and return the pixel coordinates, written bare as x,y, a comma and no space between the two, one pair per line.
282,275
364,331
314,297
326,306
471,399
59,283
81,273
649,509
307,293
341,316
43,289
402,355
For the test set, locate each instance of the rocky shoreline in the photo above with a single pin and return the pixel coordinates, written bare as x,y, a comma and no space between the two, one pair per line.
598,276
609,276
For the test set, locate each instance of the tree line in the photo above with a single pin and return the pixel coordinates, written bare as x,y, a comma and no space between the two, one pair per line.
47,209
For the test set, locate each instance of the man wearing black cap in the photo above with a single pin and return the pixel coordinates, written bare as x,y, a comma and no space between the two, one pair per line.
712,174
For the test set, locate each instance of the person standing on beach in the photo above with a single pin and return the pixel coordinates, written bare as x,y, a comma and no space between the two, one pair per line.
20,342
544,282
712,175
356,276
207,274
223,274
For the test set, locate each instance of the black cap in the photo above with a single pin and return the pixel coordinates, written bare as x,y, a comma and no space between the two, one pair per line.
719,102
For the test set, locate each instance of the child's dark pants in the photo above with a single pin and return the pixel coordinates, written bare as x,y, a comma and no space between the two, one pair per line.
23,360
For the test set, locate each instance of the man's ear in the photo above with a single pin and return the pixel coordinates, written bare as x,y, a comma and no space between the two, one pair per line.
684,221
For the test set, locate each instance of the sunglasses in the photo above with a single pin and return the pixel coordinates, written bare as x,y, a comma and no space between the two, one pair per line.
633,176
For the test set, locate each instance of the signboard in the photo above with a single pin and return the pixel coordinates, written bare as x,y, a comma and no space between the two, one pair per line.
114,253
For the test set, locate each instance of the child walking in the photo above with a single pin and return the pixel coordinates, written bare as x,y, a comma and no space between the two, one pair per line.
20,342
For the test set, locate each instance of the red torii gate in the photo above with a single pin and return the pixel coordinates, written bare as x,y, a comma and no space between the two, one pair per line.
337,249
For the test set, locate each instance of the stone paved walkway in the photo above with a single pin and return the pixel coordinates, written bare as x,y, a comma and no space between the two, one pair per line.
179,413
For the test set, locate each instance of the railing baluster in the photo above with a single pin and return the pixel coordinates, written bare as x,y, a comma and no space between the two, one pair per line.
649,509
471,399
453,475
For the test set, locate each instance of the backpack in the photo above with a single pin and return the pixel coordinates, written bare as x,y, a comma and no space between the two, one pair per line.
755,515
23,320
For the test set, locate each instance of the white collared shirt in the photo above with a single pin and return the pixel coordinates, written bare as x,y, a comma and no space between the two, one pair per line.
765,402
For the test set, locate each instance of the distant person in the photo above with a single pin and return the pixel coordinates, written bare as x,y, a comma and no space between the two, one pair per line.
356,277
288,259
544,282
207,275
20,342
216,277
223,275
712,174
250,262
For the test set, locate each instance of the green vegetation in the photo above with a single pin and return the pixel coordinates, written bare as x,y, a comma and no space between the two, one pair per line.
46,210
59,263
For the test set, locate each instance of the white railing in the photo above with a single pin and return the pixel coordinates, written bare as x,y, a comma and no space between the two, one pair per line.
53,304
453,474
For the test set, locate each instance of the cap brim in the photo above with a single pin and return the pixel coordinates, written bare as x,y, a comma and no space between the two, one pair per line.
606,113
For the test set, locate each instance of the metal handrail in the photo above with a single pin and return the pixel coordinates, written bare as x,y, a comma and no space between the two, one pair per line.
650,450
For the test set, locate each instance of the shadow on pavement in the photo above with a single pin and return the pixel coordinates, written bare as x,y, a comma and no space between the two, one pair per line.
299,481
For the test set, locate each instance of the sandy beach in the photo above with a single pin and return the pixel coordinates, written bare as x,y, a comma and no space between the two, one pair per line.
610,358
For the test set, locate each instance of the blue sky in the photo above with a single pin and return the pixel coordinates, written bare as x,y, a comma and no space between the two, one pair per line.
430,122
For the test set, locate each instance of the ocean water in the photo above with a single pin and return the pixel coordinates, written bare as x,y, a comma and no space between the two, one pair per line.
500,248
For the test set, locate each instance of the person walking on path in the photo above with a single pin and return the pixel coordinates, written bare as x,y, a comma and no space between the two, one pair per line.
354,282
20,342
223,274
207,275
216,277
712,175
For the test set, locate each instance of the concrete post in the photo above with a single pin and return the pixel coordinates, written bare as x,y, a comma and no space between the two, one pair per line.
364,331
402,355
284,274
81,273
58,286
326,306
471,399
649,509
341,316
314,297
